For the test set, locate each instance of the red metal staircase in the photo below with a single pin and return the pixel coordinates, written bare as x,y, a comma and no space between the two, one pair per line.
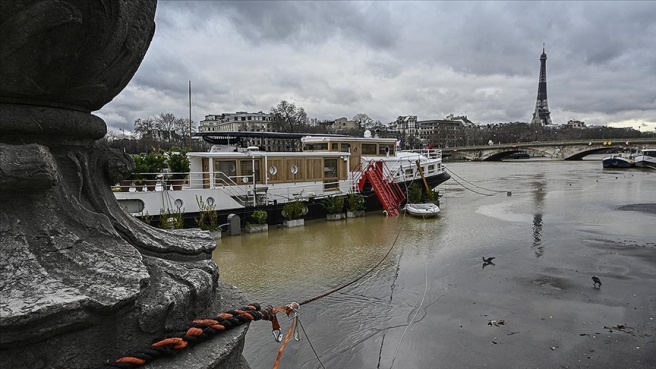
389,192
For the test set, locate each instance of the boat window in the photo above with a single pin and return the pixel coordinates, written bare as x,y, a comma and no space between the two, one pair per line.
273,170
224,170
334,146
408,172
346,147
330,168
294,169
368,149
431,167
384,150
316,147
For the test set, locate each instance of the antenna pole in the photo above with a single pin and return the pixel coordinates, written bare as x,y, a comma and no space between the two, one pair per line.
190,125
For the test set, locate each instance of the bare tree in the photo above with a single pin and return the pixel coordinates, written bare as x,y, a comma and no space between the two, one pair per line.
144,126
363,120
288,118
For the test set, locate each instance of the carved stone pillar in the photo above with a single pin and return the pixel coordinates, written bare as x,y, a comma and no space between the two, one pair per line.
81,281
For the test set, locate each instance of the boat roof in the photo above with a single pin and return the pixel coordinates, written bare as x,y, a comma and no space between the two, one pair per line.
320,138
270,154
229,138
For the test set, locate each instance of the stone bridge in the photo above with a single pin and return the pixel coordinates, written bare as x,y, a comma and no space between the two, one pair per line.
560,150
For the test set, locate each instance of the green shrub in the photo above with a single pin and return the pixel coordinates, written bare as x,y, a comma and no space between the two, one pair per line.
293,210
140,168
259,216
207,216
178,163
333,204
155,161
171,219
414,193
355,202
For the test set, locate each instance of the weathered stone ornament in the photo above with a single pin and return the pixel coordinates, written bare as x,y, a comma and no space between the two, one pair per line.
81,281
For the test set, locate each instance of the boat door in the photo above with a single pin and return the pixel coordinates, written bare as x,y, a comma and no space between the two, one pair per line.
206,172
356,154
330,173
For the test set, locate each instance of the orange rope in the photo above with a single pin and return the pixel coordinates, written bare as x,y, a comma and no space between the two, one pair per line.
284,343
193,331
131,360
177,342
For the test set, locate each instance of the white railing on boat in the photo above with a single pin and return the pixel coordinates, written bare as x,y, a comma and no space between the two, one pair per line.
247,192
428,153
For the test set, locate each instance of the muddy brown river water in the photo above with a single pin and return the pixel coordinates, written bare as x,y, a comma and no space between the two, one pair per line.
432,304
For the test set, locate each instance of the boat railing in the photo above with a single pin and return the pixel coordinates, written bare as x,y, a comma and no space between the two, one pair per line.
429,153
144,182
356,174
241,188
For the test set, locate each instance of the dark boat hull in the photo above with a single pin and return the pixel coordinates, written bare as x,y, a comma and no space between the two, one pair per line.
616,162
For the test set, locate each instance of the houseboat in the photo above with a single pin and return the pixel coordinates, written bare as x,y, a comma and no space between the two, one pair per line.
233,179
646,158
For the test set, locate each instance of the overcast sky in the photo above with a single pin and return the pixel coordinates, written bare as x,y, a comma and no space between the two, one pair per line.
385,59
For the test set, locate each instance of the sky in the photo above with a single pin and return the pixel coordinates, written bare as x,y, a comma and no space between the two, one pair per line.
386,59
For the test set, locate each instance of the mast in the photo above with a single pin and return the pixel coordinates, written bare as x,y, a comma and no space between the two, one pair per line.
190,125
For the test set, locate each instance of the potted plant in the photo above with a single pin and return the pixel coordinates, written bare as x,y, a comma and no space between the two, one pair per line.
171,219
258,218
208,218
433,196
155,162
355,205
178,164
334,205
293,211
138,176
414,194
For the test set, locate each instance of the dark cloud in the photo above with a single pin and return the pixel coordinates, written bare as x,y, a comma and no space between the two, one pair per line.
293,22
430,59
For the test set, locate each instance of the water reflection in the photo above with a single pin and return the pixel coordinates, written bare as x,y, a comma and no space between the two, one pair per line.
539,193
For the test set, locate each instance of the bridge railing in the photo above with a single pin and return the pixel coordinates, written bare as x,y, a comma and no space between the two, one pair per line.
590,142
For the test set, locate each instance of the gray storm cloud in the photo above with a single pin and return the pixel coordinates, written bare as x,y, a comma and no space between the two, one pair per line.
387,59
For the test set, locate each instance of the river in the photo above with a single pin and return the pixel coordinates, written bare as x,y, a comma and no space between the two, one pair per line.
430,303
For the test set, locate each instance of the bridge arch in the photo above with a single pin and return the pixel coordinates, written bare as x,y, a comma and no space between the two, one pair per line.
557,150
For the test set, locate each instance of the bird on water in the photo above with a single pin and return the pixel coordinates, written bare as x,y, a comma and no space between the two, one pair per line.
487,261
597,281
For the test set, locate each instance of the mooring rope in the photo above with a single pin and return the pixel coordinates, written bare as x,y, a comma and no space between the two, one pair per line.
199,331
473,184
304,302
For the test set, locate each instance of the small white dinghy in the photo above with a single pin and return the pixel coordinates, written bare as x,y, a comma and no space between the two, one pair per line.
423,210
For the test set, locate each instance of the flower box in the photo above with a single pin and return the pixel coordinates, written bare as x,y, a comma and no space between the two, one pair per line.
256,228
294,223
335,216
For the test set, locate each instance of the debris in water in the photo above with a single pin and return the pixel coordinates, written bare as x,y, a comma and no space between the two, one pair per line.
597,281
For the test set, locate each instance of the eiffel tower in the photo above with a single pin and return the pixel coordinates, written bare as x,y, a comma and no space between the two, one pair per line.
542,115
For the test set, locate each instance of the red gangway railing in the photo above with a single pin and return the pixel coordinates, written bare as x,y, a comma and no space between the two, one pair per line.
389,192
